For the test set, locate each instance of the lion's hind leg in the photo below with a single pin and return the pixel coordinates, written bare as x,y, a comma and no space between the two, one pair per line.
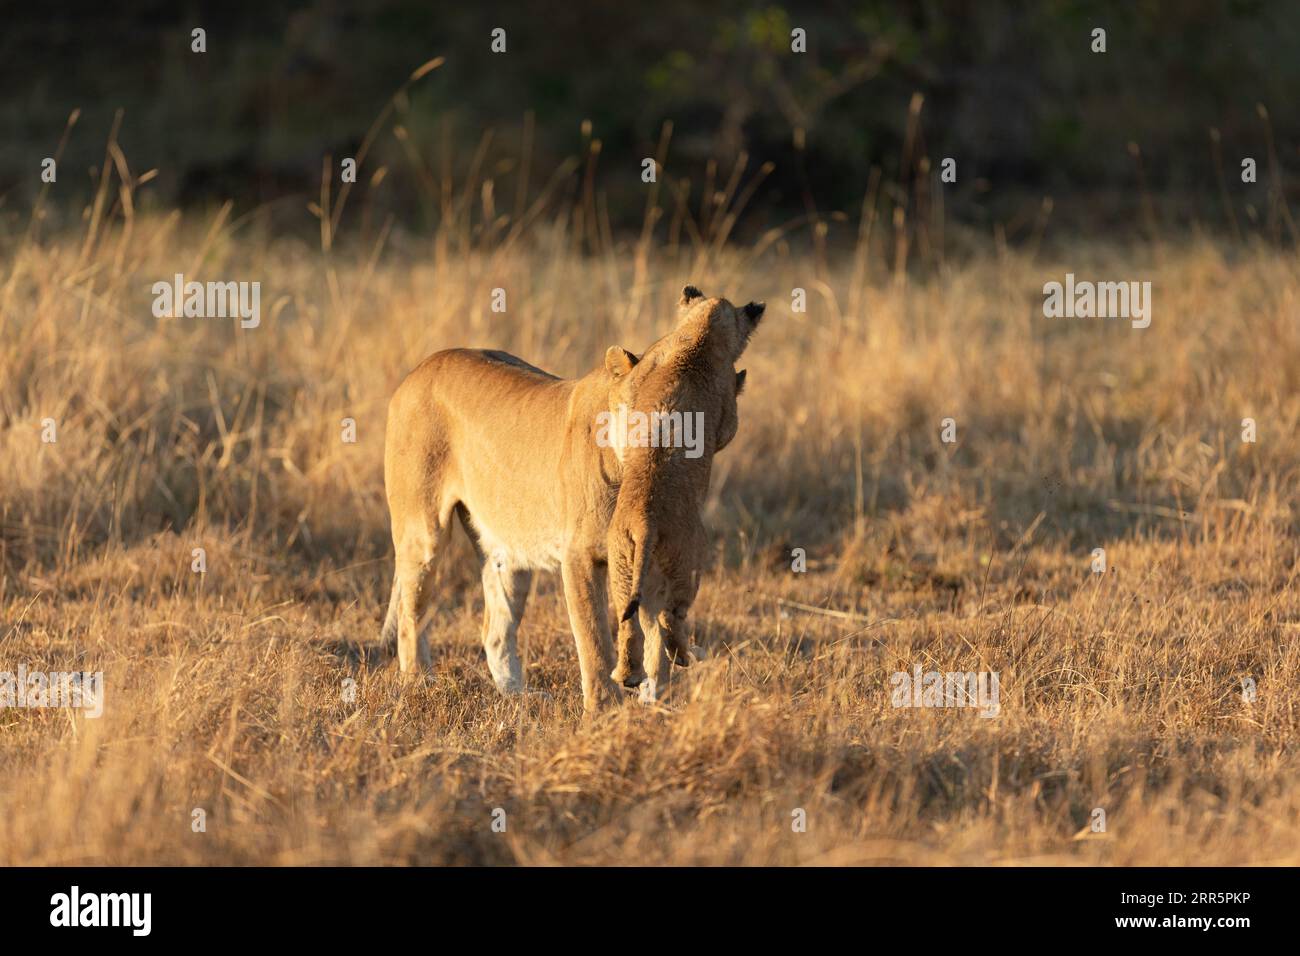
420,531
412,589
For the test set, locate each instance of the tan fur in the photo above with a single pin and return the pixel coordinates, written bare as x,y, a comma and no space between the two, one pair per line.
658,546
510,449
513,451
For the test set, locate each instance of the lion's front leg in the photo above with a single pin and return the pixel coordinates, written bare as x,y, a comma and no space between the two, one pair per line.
666,643
585,595
658,666
630,670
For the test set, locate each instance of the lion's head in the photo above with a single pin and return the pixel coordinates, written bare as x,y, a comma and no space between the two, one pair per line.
689,371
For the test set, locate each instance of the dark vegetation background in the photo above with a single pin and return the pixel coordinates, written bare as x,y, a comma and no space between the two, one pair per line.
1010,90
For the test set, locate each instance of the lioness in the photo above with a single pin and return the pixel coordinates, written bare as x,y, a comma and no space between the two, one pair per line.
657,543
514,452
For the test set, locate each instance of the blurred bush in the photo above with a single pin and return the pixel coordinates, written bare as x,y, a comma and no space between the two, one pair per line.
1012,91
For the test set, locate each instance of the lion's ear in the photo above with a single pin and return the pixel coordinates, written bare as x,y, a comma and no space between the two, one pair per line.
740,380
619,361
750,316
689,295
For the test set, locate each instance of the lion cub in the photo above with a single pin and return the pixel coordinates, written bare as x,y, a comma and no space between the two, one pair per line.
678,403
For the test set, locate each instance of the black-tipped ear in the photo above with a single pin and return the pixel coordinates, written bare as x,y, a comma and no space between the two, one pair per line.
619,361
749,322
740,380
690,294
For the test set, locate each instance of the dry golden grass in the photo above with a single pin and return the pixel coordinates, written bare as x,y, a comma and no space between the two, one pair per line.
224,690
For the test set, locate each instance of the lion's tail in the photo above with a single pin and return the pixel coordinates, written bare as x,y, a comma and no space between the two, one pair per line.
642,535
